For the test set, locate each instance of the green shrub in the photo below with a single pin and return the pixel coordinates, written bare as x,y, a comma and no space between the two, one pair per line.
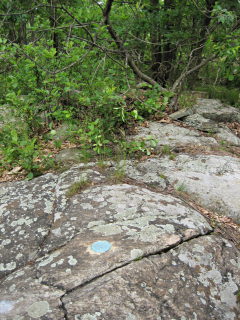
18,148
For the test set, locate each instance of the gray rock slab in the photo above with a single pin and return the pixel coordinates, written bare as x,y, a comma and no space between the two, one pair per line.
23,297
133,220
200,94
199,122
216,111
214,181
26,211
67,219
172,135
30,212
143,173
180,114
71,155
197,280
227,137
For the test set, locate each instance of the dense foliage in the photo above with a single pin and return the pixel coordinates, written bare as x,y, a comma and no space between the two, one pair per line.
80,62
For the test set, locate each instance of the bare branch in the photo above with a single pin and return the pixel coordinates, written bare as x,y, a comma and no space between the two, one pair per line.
186,73
120,45
27,11
79,22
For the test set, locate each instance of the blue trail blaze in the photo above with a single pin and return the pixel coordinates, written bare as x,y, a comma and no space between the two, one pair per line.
101,246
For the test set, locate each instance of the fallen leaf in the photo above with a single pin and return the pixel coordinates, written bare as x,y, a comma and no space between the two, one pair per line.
15,170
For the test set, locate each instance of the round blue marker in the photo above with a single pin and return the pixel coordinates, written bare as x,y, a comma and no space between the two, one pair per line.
101,246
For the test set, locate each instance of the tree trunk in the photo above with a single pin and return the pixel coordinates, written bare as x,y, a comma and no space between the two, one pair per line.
197,54
169,51
155,37
123,51
53,24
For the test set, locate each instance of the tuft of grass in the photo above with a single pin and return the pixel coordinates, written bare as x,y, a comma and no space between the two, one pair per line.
166,150
172,156
77,186
223,143
186,100
238,296
102,165
119,174
162,176
181,188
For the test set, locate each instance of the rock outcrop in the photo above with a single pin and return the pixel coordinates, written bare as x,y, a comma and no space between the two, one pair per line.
144,246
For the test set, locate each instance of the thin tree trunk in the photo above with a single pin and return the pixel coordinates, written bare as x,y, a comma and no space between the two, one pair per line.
53,24
155,37
169,51
197,55
122,50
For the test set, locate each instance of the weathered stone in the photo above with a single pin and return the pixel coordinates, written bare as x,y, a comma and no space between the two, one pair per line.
216,111
174,136
135,221
199,122
197,280
214,181
30,212
227,137
180,114
67,222
24,297
26,211
200,94
142,172
124,251
71,155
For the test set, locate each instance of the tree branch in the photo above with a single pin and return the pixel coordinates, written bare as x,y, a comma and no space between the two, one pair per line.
79,22
120,45
186,73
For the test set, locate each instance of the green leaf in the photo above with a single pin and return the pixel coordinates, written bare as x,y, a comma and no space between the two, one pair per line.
30,176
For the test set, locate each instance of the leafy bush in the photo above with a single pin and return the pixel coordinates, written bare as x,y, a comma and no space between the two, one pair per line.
42,92
153,101
17,148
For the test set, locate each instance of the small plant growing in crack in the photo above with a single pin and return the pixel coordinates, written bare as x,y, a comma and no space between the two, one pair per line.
223,143
119,174
138,258
162,176
172,156
181,188
210,132
166,150
102,165
77,186
238,296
